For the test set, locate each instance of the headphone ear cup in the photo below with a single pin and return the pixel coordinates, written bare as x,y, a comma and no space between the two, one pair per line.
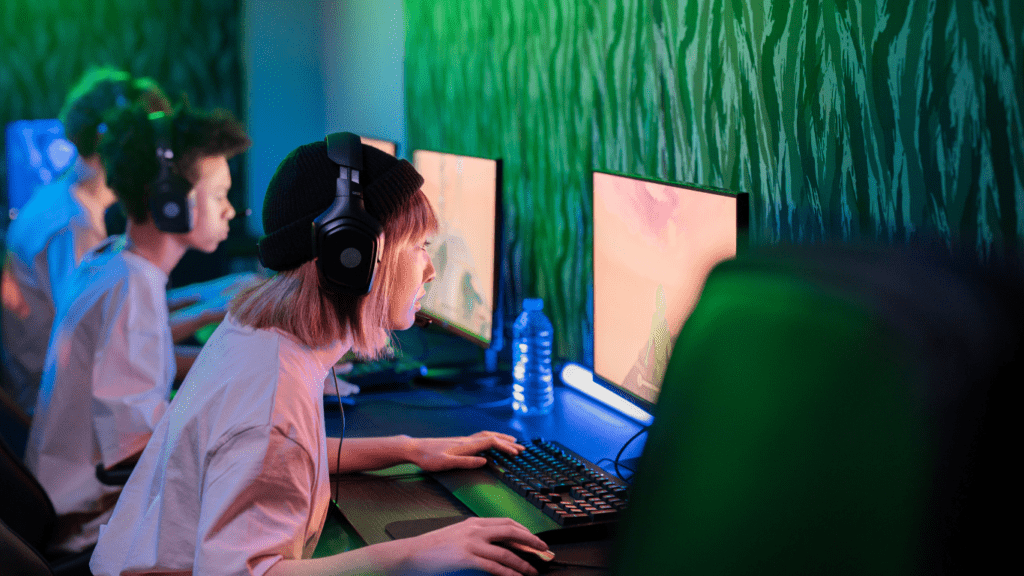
347,250
168,192
347,240
168,203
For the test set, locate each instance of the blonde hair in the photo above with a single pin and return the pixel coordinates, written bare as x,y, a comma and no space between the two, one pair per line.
298,302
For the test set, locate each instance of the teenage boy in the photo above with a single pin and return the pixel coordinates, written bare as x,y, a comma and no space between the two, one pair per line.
110,364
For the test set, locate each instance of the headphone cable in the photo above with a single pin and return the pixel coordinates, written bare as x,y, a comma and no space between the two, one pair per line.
341,436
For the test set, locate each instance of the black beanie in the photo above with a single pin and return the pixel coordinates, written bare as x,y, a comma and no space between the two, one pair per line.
304,186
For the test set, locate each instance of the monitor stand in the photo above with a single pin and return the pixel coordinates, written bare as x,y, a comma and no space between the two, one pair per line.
491,360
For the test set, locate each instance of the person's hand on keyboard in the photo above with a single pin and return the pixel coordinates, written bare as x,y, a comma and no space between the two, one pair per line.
435,454
475,543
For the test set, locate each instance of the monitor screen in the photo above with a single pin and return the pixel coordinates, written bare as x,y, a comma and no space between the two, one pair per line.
654,245
466,195
383,145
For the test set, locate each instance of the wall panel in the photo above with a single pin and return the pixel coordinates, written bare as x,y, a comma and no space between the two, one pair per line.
844,119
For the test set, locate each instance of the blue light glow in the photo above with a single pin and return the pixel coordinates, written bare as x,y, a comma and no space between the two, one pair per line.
582,379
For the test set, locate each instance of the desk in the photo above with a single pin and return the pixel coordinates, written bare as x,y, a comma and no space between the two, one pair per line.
588,428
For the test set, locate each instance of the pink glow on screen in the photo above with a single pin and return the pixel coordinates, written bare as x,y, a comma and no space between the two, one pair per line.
654,245
463,192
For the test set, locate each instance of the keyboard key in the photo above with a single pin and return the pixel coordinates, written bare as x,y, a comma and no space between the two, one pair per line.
574,519
603,514
569,490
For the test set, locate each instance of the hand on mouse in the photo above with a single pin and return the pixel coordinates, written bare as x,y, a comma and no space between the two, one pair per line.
529,553
433,454
475,543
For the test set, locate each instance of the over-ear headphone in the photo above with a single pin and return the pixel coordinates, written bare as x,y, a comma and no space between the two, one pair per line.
347,240
168,192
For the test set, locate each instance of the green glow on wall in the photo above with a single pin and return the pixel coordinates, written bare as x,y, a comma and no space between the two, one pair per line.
844,119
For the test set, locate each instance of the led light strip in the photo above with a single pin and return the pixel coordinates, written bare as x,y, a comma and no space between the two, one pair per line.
582,379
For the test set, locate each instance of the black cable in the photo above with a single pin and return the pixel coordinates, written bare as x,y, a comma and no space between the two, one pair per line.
622,451
341,436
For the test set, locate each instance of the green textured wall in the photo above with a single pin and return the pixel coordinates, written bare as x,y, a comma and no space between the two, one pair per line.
844,120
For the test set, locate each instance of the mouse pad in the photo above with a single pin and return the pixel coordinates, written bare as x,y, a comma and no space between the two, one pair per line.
370,503
410,528
589,558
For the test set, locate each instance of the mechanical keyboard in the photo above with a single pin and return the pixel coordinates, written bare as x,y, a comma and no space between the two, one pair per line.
557,494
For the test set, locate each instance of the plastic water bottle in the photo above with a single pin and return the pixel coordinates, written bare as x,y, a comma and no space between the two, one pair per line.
532,392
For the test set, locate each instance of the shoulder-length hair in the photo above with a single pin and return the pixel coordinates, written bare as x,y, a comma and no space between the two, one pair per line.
300,303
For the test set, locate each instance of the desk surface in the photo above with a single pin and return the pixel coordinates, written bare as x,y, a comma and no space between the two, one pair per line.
585,426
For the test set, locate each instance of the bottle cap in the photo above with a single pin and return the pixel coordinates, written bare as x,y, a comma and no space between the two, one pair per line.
533,303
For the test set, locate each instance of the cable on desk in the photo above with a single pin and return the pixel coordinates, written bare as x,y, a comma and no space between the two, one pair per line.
622,451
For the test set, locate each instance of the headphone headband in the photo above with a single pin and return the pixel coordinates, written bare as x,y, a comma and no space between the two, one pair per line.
346,149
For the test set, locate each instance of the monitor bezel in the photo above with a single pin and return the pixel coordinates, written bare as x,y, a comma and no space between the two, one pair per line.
742,243
497,314
363,138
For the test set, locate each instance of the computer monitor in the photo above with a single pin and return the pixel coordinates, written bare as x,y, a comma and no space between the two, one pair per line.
465,192
382,145
654,245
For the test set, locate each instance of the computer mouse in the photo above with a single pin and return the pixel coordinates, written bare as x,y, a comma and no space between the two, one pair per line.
539,559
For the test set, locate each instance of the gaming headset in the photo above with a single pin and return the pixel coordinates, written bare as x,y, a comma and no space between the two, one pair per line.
347,240
168,192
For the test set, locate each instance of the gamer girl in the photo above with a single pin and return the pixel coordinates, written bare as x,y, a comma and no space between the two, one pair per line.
235,479
110,365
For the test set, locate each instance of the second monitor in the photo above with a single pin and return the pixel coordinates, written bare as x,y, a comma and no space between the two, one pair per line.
465,298
654,245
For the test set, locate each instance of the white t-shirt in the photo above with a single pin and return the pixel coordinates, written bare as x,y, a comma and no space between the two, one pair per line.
45,243
235,477
105,385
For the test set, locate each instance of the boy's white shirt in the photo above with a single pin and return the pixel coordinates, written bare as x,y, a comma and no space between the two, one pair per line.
106,381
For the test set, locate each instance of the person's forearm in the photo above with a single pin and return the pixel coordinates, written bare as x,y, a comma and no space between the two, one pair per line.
178,298
185,322
359,454
187,295
223,287
370,560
